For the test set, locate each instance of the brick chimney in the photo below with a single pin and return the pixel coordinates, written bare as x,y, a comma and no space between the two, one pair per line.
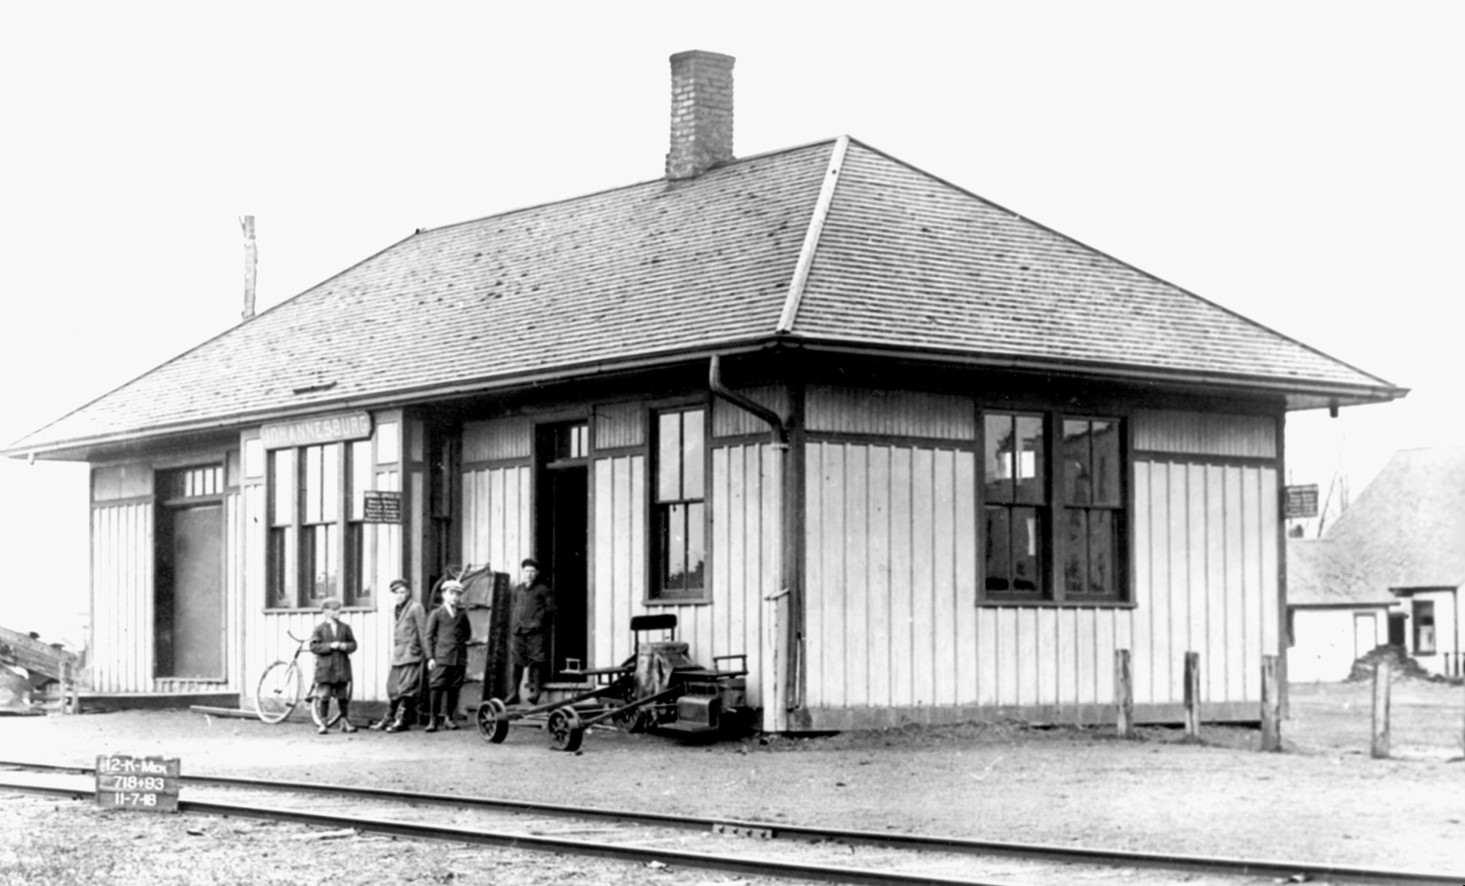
701,113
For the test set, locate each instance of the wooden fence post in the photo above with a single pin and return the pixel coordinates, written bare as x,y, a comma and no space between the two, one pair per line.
1380,748
1124,693
1192,694
1271,705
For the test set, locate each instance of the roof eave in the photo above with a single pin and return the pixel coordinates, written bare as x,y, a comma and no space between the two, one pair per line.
80,448
1299,394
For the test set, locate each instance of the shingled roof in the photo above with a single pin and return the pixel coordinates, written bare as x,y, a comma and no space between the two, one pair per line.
1318,574
832,244
1407,529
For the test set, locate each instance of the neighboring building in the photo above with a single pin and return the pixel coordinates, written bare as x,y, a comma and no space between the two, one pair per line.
921,458
1405,537
1333,618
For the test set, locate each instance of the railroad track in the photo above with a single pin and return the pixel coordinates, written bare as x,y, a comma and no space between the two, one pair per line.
749,848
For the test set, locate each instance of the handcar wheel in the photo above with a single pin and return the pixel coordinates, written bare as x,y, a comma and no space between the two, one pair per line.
493,721
566,732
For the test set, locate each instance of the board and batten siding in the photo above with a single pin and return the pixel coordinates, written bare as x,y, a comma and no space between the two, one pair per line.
268,630
122,589
496,517
744,494
895,631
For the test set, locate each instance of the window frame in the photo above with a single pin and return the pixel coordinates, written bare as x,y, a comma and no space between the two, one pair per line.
656,593
291,533
1053,510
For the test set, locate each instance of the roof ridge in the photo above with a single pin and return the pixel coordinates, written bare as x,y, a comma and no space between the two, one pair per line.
617,188
811,236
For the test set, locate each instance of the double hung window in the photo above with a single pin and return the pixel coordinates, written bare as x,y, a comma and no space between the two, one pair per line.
1053,507
316,545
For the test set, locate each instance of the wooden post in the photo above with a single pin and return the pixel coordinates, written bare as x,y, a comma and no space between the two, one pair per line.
1271,705
1380,748
65,686
251,263
1124,693
1192,694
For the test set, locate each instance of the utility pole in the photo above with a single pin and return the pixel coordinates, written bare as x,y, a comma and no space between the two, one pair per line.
251,259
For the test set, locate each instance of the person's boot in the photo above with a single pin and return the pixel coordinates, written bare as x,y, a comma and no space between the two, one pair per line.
432,703
322,709
387,718
450,709
345,715
399,721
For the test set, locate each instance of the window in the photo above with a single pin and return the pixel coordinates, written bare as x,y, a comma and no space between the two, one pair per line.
679,506
316,546
1053,515
1016,504
1091,507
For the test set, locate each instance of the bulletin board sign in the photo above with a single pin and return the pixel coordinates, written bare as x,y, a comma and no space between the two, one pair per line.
147,784
381,507
1301,501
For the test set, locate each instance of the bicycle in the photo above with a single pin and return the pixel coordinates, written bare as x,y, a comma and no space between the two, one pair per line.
280,688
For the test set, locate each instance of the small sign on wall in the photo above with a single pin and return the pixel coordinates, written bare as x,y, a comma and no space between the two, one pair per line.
1301,501
381,506
149,784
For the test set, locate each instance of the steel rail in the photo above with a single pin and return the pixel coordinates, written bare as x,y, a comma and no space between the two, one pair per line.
1273,868
747,866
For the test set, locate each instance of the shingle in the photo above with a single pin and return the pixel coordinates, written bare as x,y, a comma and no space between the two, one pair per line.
646,271
908,260
1407,529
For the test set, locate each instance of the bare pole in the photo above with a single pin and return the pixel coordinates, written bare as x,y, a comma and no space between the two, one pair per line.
251,260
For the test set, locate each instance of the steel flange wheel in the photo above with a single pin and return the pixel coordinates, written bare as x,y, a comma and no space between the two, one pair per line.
493,721
566,732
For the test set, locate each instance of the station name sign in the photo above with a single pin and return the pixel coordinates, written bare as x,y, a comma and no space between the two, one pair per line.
149,784
321,429
1301,501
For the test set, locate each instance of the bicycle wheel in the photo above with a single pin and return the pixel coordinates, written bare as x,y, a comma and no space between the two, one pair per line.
333,714
278,692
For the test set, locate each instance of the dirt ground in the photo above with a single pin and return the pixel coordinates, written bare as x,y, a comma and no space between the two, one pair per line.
1322,800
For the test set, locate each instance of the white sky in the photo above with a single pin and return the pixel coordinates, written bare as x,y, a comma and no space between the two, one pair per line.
1299,163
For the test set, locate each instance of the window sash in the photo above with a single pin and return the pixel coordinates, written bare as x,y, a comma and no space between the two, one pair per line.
1053,507
316,540
679,506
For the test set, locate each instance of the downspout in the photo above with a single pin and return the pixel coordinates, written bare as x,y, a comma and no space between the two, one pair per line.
793,697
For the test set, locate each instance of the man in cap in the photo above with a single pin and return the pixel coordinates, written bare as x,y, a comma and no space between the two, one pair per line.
409,652
448,632
332,642
532,622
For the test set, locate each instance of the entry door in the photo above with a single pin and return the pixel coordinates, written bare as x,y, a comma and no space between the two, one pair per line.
561,535
1365,634
189,610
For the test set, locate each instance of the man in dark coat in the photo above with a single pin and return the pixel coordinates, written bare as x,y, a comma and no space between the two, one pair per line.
409,654
532,623
448,633
332,642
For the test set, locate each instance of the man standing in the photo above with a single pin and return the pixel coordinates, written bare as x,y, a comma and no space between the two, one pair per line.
533,620
448,633
409,650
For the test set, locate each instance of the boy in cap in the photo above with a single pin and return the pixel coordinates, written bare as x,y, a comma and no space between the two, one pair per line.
409,651
332,642
447,650
533,618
